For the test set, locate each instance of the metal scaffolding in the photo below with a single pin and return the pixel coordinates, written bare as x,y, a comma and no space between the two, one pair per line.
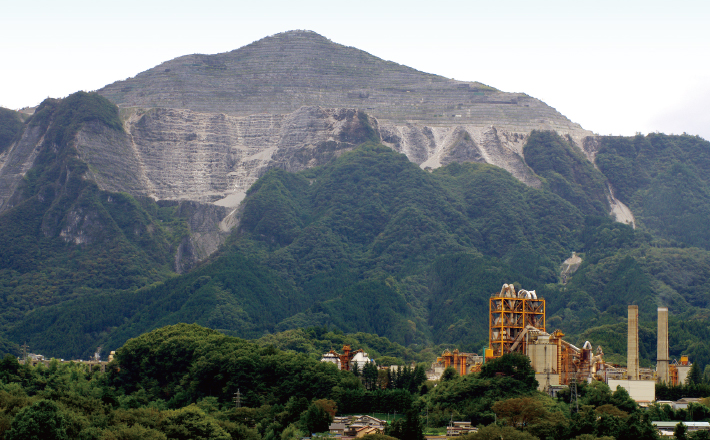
510,313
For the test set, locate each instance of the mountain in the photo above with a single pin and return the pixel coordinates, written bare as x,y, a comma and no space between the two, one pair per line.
204,128
330,188
281,102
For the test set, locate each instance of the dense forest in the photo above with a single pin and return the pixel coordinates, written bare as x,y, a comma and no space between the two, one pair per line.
179,382
367,244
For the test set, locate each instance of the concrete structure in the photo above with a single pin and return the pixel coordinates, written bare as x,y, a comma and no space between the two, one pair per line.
517,324
542,352
348,359
678,371
331,357
361,359
632,365
665,429
464,363
662,353
435,372
639,390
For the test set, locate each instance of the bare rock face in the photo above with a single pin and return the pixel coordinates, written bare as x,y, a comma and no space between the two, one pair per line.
435,146
284,72
16,161
266,104
171,154
203,128
205,237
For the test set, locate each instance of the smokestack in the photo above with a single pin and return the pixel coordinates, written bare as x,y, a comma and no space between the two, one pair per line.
632,363
662,356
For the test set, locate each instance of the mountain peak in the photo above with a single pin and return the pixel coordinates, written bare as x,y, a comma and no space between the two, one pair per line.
282,72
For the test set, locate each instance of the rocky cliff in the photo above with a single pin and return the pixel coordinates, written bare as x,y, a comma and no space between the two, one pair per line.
260,89
203,128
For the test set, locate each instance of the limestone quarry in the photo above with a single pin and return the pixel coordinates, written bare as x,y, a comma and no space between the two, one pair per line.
203,128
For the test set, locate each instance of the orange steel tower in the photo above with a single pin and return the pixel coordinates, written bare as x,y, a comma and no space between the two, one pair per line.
510,313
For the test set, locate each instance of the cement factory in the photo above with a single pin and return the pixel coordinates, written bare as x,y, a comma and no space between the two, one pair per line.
517,324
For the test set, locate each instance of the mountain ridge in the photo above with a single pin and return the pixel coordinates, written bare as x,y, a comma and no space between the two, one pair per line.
311,217
283,72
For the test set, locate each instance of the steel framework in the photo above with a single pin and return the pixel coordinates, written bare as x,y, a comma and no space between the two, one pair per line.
510,313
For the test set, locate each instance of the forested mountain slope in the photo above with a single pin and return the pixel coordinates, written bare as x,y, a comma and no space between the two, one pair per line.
372,243
340,230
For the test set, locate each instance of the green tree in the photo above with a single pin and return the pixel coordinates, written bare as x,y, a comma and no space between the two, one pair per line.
681,431
513,365
292,433
377,437
494,432
700,435
40,421
409,428
638,427
621,399
449,374
134,432
191,423
369,375
597,394
418,378
315,419
520,412
695,376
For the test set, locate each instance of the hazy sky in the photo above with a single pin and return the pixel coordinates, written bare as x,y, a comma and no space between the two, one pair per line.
615,67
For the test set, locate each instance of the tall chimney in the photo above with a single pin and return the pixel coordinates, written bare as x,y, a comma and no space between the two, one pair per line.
632,364
662,356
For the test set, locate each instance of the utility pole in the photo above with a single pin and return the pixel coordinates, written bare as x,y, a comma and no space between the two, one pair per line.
574,398
24,351
238,399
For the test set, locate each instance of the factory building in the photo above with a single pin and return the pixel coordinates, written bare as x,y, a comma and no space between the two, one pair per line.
348,359
464,363
517,324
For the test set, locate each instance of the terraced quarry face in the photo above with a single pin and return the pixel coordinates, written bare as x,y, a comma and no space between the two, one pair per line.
228,117
281,73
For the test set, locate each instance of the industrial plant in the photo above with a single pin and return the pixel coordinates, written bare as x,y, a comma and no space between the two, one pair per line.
349,359
517,325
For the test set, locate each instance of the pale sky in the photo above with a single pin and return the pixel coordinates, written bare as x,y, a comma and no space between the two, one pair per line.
615,67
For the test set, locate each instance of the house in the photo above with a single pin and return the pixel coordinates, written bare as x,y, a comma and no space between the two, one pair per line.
369,421
361,431
337,428
356,426
460,428
685,401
